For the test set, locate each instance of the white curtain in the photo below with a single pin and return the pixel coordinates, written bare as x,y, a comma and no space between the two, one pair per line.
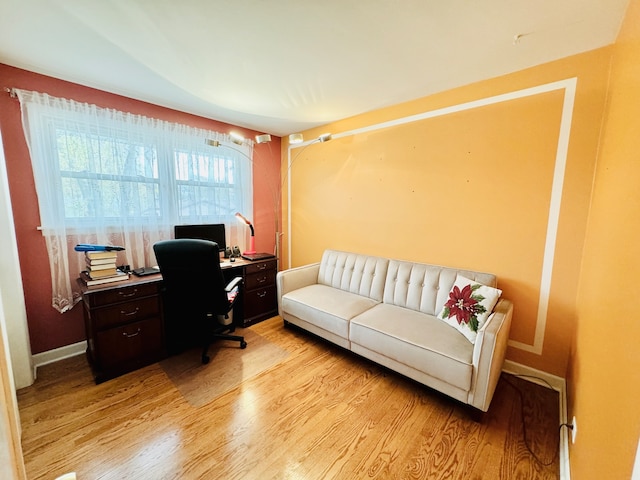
113,178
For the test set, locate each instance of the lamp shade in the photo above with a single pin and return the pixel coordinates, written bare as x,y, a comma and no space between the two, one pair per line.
252,239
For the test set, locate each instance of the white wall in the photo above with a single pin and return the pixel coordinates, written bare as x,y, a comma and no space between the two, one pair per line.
11,291
636,466
15,349
11,462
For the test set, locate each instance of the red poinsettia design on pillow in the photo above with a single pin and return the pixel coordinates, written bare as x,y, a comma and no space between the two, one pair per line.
465,306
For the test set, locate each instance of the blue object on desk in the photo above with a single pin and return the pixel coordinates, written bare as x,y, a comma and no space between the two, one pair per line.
87,247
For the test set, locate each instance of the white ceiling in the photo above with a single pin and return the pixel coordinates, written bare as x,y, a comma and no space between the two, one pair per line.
282,66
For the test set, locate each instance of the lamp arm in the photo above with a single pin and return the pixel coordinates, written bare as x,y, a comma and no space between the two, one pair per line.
278,188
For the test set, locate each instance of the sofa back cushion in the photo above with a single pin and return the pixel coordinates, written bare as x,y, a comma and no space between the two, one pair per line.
425,288
354,273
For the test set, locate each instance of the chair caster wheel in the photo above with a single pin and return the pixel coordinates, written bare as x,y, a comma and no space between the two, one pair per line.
205,359
243,344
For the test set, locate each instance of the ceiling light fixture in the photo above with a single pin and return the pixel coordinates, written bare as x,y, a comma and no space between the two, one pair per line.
264,138
236,138
296,138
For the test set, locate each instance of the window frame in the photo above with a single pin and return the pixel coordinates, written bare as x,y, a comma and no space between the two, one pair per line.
237,166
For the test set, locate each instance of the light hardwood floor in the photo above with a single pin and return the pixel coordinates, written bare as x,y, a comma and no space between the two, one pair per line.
322,413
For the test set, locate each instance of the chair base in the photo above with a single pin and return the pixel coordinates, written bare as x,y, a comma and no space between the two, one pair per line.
222,336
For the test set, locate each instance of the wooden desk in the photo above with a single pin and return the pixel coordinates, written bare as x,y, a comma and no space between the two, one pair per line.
259,300
124,324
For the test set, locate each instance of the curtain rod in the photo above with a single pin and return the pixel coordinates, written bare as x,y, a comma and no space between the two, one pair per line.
10,91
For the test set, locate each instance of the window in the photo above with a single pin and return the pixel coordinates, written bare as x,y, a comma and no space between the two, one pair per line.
106,177
110,177
113,176
195,174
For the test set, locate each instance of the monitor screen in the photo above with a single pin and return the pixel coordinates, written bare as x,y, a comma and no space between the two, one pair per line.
214,232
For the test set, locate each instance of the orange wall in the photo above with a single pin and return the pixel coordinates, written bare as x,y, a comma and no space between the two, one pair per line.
49,329
469,189
604,373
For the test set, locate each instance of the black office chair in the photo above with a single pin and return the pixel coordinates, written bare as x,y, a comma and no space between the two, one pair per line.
194,292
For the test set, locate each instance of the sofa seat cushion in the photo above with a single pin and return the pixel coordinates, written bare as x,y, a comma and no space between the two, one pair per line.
416,339
326,307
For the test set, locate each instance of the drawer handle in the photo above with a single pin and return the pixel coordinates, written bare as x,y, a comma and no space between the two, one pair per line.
262,279
131,335
262,294
262,266
129,314
123,294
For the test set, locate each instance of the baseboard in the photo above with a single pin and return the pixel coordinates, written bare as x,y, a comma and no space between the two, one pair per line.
57,354
559,385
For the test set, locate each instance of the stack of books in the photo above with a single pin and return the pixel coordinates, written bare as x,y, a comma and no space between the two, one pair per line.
101,268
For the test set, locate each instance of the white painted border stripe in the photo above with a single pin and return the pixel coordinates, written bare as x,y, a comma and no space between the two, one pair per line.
569,87
553,219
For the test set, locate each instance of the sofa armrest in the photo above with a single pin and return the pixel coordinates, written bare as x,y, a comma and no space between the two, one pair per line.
295,278
488,355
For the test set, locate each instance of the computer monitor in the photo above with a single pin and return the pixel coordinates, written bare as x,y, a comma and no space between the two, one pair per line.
214,232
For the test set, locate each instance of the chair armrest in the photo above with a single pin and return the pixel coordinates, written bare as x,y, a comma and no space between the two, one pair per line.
232,289
233,284
488,355
295,278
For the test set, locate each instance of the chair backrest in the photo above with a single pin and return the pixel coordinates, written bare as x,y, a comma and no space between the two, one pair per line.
193,283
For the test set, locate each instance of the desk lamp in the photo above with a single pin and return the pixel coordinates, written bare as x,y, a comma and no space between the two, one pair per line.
252,244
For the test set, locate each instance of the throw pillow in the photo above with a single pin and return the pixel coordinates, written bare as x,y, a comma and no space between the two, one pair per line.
469,305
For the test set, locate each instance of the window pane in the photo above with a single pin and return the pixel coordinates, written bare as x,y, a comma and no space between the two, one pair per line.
206,186
107,177
88,198
97,167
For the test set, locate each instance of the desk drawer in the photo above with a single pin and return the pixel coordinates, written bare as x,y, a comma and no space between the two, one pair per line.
135,343
260,302
261,279
126,312
257,267
121,293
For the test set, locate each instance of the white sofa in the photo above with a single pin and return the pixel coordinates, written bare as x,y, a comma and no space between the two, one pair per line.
386,310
